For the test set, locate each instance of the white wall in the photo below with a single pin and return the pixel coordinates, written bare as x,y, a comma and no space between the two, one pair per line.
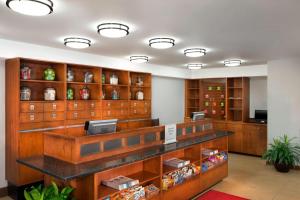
168,99
2,124
258,94
284,98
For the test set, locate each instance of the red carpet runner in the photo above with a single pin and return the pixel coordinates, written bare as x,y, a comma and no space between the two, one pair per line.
215,195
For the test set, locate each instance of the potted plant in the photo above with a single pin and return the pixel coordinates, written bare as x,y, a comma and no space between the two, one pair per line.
283,154
48,193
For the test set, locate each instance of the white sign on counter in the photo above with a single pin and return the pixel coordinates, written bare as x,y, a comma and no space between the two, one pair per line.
170,133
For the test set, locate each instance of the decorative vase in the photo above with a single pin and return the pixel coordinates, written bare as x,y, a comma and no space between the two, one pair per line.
25,73
49,74
70,94
114,95
25,94
114,79
103,78
84,93
49,94
70,75
88,77
139,95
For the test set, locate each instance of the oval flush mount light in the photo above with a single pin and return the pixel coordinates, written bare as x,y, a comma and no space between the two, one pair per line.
161,43
232,62
194,66
77,42
139,59
194,52
113,30
31,7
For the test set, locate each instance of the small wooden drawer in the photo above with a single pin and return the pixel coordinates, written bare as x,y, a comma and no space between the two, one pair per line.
76,105
31,107
114,104
93,105
95,114
122,113
31,117
139,104
110,113
54,106
78,114
139,111
54,116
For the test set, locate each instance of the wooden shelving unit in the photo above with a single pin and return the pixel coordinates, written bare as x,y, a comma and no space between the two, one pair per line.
28,116
237,99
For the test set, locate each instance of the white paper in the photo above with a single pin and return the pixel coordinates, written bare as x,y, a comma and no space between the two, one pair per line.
170,133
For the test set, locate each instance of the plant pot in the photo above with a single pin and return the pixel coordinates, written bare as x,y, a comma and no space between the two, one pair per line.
282,167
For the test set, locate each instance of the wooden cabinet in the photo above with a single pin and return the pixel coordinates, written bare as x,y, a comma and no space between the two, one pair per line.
254,139
248,138
27,116
235,140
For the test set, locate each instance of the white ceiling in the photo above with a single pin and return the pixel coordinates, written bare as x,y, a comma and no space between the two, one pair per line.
253,30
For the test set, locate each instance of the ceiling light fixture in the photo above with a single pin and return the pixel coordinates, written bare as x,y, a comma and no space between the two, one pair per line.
194,66
77,42
113,30
31,7
232,63
194,52
161,43
139,59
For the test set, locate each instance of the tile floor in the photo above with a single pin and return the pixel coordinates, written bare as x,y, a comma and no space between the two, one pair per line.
249,177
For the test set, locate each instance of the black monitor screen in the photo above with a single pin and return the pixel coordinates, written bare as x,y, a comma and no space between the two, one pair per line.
100,127
261,114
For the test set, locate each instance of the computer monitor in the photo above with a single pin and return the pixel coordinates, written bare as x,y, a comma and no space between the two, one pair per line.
100,126
261,115
197,115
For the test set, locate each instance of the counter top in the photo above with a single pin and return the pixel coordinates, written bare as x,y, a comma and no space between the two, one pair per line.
67,171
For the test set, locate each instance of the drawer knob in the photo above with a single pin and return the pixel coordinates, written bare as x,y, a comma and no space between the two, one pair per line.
31,107
108,104
54,106
75,105
92,114
31,117
53,115
108,112
75,114
92,105
122,104
134,111
134,104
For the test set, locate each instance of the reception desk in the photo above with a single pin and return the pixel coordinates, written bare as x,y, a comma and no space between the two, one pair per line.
83,162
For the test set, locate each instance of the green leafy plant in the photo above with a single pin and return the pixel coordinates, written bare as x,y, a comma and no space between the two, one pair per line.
51,192
283,153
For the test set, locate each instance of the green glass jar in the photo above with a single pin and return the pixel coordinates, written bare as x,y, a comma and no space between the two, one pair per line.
103,78
70,94
49,74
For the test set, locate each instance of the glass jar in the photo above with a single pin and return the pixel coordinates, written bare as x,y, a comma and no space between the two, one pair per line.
88,77
49,94
139,81
114,95
70,94
25,73
84,93
114,79
70,75
49,74
139,95
25,94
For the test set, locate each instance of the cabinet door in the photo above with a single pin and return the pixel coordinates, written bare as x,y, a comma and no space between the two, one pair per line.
235,140
219,125
254,139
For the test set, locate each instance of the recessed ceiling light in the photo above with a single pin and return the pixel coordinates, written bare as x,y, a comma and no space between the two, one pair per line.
194,52
113,30
194,66
139,59
161,43
31,7
232,63
77,43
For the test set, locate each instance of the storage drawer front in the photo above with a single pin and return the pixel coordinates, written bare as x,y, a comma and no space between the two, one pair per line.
78,114
95,114
54,116
31,107
54,106
114,104
31,117
109,114
93,105
76,105
140,104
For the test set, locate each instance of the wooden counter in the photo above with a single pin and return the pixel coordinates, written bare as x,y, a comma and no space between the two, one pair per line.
144,164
